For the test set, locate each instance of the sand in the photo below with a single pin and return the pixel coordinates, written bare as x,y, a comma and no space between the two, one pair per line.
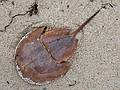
96,64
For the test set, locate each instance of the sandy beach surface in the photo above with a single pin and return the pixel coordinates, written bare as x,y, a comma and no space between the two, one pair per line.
96,64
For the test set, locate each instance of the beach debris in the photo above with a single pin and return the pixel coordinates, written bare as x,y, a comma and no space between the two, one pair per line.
33,10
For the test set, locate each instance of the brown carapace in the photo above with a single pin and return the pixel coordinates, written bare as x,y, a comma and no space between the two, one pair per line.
43,55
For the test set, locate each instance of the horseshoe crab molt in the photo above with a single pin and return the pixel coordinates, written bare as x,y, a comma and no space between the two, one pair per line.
43,55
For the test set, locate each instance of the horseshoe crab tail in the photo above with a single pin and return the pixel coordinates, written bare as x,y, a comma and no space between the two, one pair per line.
85,23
